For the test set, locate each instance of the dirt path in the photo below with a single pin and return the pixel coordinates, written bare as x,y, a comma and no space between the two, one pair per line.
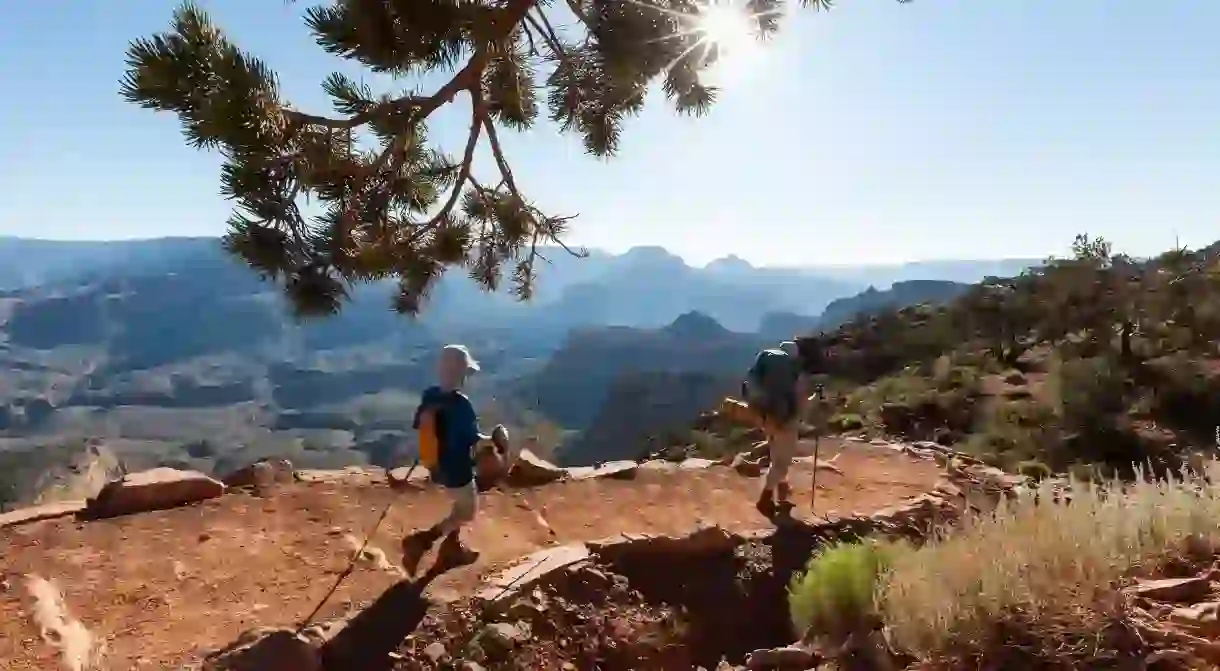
162,586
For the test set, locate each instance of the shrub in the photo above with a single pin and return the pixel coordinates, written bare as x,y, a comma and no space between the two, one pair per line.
835,594
1040,565
1015,431
1091,392
1035,470
848,421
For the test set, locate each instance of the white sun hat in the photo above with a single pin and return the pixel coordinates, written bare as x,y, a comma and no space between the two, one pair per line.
461,353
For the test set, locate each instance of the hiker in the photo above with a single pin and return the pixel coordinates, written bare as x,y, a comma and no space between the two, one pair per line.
457,434
777,389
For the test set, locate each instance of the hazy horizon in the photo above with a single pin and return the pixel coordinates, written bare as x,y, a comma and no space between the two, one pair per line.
878,131
819,266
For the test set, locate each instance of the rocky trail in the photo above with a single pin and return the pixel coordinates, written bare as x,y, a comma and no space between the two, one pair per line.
161,588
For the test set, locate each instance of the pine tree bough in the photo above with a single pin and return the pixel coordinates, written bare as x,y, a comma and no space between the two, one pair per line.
393,205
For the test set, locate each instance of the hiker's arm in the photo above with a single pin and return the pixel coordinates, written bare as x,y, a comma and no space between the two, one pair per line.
804,387
467,424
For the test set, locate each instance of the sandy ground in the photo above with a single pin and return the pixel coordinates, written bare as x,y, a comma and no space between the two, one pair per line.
161,587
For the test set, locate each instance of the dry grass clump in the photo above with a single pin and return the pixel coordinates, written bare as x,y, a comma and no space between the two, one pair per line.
79,649
1041,564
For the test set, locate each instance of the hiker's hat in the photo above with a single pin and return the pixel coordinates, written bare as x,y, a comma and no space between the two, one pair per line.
460,353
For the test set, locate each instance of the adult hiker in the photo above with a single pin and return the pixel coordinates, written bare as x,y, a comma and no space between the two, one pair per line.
445,409
777,390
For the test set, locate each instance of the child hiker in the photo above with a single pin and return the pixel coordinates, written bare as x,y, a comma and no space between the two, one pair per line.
457,434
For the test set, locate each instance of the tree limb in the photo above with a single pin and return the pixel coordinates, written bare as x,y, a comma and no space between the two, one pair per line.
468,78
502,163
548,34
472,141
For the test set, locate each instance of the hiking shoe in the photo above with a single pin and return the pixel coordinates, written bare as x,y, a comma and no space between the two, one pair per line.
783,493
766,506
453,553
414,547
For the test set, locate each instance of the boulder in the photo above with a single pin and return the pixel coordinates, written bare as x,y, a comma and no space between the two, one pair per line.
737,412
707,540
262,473
748,467
262,650
530,470
155,489
1177,590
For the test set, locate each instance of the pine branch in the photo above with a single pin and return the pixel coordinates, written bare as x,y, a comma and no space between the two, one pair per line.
472,141
404,210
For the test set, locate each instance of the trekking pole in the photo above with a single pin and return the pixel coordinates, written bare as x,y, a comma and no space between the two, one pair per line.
817,446
351,565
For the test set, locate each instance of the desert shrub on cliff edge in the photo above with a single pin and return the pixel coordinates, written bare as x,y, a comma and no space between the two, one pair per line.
835,595
1042,571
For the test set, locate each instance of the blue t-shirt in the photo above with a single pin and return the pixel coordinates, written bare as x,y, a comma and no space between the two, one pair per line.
457,433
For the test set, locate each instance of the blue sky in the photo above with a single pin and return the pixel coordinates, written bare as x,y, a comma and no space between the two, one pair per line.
875,133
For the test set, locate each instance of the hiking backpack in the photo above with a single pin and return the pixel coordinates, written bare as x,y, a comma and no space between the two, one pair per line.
770,384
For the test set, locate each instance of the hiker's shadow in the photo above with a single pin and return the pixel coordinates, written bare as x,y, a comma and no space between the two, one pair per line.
369,637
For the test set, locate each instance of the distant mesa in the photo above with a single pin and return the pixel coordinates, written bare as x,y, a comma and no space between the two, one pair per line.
695,324
730,263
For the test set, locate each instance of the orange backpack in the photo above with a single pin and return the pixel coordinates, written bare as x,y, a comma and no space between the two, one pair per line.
429,448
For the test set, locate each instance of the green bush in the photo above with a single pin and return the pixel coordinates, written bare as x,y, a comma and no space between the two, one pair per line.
1092,392
848,421
835,594
1035,470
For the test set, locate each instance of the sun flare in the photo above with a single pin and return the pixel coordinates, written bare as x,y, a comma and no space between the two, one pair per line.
727,26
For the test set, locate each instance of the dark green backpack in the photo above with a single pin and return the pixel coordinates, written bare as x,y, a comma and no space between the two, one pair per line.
770,384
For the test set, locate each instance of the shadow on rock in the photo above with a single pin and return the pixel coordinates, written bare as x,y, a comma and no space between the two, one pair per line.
367,640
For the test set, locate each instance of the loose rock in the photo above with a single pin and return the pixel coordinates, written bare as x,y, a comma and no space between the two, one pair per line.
501,637
1176,590
788,658
435,651
530,470
155,489
262,473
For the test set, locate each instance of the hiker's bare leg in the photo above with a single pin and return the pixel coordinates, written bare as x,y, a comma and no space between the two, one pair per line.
465,504
766,497
416,545
783,449
462,508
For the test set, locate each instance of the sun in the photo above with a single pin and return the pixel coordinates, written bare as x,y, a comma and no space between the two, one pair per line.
726,26
731,30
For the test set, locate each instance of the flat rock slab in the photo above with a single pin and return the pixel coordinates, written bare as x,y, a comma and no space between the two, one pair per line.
155,489
705,541
1179,590
620,470
504,586
45,511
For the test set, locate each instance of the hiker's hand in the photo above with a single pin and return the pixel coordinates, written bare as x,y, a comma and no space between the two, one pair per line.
499,436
